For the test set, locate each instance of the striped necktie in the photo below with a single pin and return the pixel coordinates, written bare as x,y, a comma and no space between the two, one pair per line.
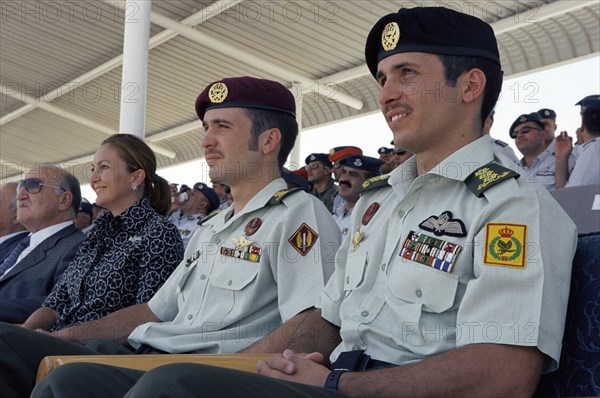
13,256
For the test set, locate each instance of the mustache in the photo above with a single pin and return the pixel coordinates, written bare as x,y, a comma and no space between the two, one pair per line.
346,183
397,105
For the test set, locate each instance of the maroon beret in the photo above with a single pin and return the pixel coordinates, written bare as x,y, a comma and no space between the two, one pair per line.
246,92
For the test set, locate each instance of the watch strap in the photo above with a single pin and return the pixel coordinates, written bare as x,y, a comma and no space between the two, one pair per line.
331,382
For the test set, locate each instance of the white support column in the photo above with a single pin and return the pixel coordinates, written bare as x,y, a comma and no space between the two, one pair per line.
294,158
135,67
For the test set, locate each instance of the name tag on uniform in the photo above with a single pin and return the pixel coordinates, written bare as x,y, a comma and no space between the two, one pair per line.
430,251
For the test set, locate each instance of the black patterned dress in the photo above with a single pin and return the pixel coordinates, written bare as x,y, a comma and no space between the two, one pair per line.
124,261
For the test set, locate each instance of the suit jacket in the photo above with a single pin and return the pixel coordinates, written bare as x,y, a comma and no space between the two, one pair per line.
24,288
8,245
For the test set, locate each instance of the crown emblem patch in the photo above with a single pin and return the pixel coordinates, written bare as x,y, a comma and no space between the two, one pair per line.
505,245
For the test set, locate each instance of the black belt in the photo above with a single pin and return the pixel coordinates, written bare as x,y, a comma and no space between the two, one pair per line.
357,361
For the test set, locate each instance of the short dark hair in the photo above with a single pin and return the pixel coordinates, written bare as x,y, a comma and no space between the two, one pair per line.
263,120
590,119
454,66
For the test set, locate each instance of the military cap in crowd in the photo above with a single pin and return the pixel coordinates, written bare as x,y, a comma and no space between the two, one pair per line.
589,100
87,208
318,157
385,150
339,152
546,113
293,179
184,188
527,117
362,162
210,194
246,92
434,30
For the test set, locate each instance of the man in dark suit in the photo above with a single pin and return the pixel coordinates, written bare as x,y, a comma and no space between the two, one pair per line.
47,201
11,232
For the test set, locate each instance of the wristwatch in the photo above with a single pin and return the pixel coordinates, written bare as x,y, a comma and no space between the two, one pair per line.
331,382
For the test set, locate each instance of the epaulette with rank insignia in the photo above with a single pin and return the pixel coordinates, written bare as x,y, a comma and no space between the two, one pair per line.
205,219
488,176
279,195
373,183
501,143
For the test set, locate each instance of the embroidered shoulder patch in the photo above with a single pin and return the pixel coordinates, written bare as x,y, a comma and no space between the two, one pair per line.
505,245
374,183
303,239
444,224
279,195
487,176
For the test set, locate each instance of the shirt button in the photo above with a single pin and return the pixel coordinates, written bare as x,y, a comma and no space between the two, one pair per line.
356,347
419,293
364,314
383,267
401,213
202,277
190,317
229,282
347,280
218,241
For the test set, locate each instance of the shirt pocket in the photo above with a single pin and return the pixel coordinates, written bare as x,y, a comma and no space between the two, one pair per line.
411,283
355,271
234,275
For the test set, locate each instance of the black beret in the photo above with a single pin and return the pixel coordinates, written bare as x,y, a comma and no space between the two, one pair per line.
318,157
527,117
210,194
435,30
339,152
246,92
292,178
385,150
546,113
362,162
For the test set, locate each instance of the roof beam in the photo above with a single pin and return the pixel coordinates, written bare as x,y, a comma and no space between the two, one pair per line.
76,118
196,36
156,40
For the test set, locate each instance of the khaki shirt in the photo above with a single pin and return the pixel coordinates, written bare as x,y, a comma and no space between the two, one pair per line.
438,267
243,274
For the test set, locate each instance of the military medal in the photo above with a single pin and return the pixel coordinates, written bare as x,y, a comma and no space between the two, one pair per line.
241,242
358,236
366,218
252,226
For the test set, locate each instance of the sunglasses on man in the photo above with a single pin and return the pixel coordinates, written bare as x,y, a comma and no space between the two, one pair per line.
34,185
524,130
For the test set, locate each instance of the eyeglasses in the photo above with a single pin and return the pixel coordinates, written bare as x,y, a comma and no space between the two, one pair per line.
524,130
34,185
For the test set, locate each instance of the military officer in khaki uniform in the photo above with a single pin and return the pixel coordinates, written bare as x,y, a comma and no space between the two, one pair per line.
247,269
455,270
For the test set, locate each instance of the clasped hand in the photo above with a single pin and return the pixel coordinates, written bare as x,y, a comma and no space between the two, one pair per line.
300,368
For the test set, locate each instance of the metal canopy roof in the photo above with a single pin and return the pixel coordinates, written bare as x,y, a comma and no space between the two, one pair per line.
60,63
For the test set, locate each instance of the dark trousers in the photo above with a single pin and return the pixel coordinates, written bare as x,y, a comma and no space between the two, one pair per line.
179,380
21,351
